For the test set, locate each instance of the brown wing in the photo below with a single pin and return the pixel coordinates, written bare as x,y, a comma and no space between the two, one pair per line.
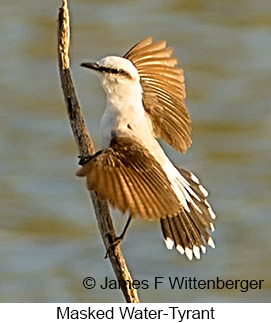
163,91
129,177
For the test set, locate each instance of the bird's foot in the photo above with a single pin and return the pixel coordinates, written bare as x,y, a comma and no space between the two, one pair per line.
114,244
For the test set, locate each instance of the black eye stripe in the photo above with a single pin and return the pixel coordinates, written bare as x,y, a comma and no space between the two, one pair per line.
109,70
114,71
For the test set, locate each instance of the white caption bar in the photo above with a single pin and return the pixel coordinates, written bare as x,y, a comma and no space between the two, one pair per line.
150,312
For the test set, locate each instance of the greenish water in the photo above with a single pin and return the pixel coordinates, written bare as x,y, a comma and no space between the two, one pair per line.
48,233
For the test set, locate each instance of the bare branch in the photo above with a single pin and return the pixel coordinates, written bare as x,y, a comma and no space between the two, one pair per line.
85,147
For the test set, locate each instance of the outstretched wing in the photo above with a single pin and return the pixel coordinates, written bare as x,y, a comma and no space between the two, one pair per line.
130,178
163,91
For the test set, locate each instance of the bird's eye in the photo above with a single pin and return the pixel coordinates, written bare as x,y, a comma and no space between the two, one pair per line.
116,70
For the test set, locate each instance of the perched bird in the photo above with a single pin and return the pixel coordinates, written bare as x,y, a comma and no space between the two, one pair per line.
145,100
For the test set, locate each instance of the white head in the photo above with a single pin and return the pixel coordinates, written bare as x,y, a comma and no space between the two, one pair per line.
117,74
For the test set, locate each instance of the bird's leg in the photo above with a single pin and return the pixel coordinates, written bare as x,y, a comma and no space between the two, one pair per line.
118,239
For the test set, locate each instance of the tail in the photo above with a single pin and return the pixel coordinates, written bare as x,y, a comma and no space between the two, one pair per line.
189,230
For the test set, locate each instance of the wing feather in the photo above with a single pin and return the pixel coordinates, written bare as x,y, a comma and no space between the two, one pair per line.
130,178
163,91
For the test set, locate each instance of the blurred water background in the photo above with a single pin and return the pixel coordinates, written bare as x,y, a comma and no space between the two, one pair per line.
49,240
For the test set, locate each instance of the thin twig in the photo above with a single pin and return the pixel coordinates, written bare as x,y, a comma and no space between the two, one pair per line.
85,148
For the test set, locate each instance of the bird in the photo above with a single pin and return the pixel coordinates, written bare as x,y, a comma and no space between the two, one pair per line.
145,100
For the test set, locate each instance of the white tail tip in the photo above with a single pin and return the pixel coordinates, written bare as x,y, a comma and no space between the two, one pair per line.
211,212
211,242
203,190
196,252
203,249
189,253
169,243
212,227
180,249
194,178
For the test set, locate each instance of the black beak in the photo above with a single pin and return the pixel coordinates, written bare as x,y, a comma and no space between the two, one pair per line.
93,66
103,69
